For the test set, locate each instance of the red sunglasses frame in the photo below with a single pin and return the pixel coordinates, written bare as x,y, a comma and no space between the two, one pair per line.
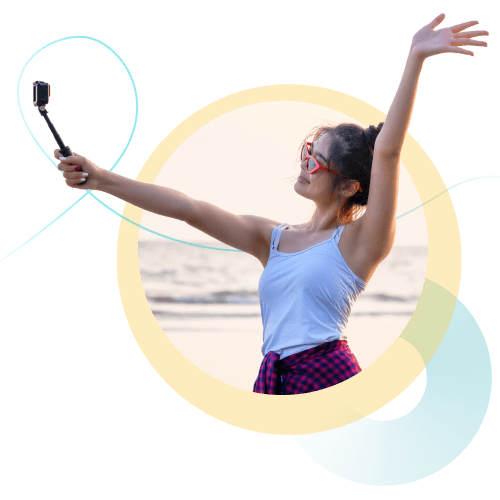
317,166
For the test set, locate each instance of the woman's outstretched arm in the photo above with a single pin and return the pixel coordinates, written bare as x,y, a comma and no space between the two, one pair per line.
377,227
248,233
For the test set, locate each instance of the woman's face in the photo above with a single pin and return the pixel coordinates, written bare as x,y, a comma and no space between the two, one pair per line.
316,186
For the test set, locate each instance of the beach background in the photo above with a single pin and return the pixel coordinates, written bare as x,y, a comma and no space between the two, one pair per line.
207,303
205,299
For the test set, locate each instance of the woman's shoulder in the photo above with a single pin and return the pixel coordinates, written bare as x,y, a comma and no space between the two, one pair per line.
264,228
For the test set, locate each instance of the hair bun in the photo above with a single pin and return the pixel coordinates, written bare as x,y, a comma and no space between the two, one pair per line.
371,134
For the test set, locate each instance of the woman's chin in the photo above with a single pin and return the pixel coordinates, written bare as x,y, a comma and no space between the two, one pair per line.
298,187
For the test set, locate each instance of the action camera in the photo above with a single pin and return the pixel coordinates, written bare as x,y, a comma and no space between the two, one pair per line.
41,93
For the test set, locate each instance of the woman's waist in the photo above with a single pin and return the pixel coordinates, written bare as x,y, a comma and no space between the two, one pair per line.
286,344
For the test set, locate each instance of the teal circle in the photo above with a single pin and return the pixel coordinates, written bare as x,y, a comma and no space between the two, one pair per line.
429,437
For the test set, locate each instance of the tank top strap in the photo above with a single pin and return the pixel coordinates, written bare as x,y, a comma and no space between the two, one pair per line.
338,233
275,239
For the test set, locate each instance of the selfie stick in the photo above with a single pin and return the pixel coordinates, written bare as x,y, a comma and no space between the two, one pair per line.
41,93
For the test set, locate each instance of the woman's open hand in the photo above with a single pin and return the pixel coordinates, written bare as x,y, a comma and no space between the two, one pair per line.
427,42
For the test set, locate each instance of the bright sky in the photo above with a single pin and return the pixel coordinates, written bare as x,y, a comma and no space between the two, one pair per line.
240,162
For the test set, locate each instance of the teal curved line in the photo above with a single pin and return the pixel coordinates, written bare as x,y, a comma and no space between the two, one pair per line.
446,190
42,230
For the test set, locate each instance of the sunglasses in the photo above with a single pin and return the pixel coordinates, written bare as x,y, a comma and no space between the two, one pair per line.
312,164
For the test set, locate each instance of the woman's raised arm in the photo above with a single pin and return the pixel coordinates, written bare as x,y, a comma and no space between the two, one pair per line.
377,227
426,43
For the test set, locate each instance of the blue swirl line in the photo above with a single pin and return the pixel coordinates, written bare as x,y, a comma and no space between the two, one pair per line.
48,225
445,191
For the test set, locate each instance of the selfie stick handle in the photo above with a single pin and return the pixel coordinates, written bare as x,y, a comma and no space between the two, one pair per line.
65,151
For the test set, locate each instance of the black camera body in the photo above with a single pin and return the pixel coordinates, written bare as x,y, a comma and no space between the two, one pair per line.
41,93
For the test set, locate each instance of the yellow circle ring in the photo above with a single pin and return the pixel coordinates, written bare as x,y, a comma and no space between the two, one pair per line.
358,396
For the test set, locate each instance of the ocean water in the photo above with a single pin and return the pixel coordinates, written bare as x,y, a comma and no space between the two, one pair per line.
196,289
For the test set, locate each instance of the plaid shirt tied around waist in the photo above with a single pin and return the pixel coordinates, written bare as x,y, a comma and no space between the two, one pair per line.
307,371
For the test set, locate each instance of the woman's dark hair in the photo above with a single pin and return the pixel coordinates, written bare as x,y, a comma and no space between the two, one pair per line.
351,153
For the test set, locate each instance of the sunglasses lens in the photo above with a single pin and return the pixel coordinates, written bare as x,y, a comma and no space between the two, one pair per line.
304,152
310,165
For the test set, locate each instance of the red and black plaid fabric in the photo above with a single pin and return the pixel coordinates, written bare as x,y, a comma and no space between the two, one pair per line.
307,371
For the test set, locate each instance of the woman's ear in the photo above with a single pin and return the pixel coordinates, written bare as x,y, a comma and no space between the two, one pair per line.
351,188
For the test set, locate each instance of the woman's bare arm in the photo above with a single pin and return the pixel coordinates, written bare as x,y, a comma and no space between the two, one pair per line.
377,227
248,233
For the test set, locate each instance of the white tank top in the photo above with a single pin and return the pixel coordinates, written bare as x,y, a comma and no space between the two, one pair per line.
306,297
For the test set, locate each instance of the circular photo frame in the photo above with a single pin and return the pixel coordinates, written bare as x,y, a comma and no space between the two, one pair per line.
354,398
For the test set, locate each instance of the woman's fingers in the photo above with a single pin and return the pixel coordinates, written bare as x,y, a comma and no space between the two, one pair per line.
76,162
75,178
75,175
71,172
77,170
458,50
463,39
470,34
66,167
463,26
438,20
466,41
57,154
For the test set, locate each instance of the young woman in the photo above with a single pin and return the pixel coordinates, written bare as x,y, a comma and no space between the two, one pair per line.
313,272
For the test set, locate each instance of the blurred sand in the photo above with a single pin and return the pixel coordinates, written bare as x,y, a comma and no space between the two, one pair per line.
233,354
